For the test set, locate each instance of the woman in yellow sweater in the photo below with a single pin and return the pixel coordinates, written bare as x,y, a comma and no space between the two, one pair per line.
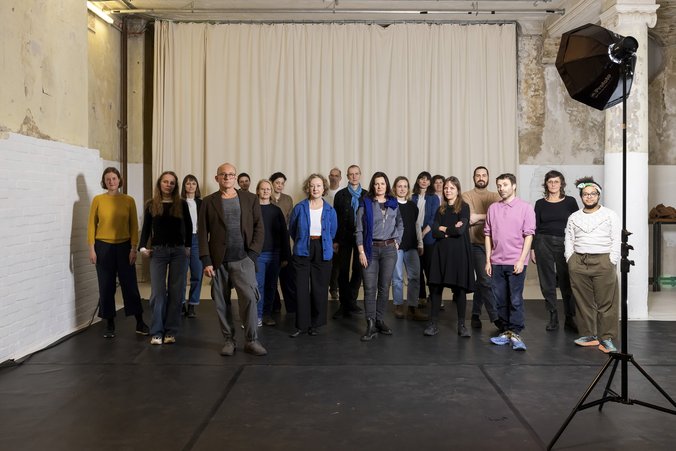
112,235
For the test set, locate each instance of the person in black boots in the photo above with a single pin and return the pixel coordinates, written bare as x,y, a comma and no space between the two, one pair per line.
112,235
379,232
551,217
451,261
346,203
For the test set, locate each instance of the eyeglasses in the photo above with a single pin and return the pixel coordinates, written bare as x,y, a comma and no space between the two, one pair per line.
226,175
590,194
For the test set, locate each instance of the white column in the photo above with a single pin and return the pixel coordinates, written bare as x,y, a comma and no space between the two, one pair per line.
631,18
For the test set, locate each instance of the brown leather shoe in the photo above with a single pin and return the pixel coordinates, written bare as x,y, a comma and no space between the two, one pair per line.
399,311
416,315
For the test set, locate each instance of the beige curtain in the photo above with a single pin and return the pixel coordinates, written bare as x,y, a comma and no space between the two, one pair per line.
302,98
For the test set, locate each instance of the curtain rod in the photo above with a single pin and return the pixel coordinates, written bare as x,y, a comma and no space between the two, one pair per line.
469,12
340,22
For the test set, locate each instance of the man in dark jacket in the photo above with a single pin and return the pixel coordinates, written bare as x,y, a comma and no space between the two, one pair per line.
231,234
345,203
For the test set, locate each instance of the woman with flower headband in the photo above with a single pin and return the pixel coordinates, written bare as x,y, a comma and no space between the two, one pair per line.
592,245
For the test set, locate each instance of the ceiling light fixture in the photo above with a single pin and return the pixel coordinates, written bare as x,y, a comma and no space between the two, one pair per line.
99,12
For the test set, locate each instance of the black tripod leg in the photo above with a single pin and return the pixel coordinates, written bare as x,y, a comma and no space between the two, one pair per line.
657,386
576,409
610,381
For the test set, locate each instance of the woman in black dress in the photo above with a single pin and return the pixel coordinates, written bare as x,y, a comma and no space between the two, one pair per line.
451,261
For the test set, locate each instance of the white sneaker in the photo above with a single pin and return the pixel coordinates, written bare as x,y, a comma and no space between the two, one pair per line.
169,339
156,340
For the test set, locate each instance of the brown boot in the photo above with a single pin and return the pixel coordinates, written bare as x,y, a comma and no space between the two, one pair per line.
416,315
399,311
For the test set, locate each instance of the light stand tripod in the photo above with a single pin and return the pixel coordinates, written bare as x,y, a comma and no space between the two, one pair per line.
615,358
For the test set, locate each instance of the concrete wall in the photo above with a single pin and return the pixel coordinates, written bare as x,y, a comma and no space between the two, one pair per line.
44,69
104,49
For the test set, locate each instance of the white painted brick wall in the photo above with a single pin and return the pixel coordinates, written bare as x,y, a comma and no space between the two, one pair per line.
48,287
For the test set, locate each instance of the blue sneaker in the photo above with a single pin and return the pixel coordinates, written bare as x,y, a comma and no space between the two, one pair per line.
517,343
502,339
587,341
607,346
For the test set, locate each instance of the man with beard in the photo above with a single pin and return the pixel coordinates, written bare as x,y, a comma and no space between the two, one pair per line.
592,244
479,199
509,230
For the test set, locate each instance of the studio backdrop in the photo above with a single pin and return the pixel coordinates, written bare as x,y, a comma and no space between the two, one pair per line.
302,98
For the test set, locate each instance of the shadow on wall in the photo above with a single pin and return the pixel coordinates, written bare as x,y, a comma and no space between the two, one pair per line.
84,280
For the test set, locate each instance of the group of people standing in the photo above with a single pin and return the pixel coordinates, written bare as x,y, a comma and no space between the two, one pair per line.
476,241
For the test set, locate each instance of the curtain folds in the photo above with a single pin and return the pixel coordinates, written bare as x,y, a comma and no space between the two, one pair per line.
302,98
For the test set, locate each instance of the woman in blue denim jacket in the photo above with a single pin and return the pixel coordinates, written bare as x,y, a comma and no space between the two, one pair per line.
428,204
312,227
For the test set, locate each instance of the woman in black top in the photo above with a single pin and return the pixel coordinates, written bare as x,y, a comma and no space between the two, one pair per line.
551,216
275,254
451,262
167,233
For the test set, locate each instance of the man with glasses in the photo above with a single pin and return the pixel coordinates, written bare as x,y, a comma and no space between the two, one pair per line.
231,234
592,250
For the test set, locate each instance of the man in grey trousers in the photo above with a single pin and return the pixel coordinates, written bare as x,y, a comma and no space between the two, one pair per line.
230,231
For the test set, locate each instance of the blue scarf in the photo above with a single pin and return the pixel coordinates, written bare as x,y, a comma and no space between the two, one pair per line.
356,196
367,221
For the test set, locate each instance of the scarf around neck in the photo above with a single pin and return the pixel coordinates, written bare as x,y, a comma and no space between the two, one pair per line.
356,196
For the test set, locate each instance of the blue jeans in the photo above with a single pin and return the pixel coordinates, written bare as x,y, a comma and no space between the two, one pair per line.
377,280
483,294
508,293
165,293
411,261
266,277
195,266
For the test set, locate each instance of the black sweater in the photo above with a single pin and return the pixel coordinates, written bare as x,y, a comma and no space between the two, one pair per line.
166,230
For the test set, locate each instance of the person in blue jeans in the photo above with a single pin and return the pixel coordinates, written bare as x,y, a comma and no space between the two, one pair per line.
167,225
408,256
190,192
275,253
378,235
509,230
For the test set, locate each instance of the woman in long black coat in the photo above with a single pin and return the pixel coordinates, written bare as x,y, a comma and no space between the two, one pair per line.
451,261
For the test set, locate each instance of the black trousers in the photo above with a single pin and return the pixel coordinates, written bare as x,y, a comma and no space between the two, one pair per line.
349,275
312,287
112,261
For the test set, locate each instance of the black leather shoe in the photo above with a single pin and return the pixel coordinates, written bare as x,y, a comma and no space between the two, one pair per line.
354,308
312,332
553,323
462,331
297,333
570,324
383,328
371,331
341,313
476,322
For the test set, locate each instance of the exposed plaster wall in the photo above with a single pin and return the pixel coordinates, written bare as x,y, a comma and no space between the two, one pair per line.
43,48
104,49
662,112
553,128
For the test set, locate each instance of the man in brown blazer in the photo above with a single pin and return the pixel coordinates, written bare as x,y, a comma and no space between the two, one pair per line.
230,231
